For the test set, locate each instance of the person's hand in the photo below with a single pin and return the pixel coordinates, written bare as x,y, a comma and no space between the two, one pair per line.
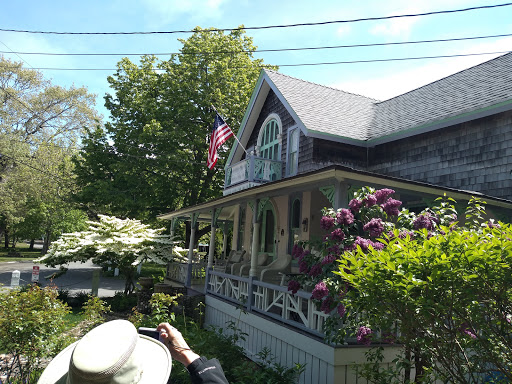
177,345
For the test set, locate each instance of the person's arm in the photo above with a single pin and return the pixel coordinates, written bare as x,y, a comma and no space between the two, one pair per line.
202,370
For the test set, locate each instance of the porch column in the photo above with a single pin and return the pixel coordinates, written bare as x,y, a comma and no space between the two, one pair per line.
255,239
340,194
193,222
225,240
211,249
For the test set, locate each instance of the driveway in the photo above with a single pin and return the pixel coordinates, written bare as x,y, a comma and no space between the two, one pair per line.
78,277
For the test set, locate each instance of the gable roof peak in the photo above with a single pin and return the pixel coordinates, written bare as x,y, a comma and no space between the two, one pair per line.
275,73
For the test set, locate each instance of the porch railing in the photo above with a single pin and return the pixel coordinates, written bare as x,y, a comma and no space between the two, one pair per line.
253,170
296,310
178,271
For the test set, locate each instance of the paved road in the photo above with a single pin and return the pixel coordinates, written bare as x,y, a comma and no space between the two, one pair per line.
78,278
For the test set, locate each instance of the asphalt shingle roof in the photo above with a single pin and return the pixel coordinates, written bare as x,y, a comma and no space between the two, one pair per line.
335,112
324,109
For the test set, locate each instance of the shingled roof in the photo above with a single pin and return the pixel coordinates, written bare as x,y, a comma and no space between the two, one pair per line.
326,110
332,112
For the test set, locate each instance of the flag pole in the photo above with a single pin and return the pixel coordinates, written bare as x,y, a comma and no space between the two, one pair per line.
236,138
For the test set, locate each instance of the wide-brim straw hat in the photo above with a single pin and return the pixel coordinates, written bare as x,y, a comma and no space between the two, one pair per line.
112,353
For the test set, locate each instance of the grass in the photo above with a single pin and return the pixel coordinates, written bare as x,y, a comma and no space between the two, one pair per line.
149,269
74,317
24,251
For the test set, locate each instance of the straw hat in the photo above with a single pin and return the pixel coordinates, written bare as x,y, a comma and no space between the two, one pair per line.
112,353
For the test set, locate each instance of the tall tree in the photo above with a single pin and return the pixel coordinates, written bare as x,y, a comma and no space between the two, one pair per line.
161,118
40,125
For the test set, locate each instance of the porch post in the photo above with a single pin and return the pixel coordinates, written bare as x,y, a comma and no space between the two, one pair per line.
225,240
255,238
340,194
211,249
193,221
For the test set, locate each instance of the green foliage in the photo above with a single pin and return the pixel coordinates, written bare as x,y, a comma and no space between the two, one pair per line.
40,125
161,117
31,326
449,293
94,311
121,302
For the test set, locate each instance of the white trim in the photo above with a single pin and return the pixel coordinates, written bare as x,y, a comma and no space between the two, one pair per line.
289,133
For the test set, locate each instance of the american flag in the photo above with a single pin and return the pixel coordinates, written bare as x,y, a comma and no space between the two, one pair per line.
220,133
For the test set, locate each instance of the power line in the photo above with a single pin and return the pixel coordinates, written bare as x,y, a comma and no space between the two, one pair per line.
305,64
264,50
267,26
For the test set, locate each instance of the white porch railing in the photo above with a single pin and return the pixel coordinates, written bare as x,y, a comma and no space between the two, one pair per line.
178,271
296,310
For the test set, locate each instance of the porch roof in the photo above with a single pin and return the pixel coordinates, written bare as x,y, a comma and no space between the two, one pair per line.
323,177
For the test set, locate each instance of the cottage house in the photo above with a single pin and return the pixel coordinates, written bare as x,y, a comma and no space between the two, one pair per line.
309,147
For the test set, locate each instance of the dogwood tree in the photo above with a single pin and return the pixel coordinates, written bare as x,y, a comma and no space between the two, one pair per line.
112,242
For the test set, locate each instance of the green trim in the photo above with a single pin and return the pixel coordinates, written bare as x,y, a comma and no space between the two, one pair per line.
261,206
215,215
251,205
329,192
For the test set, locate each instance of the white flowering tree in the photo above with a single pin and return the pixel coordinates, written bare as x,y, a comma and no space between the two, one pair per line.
112,242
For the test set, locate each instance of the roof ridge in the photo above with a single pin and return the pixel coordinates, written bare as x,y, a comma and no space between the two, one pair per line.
443,78
323,86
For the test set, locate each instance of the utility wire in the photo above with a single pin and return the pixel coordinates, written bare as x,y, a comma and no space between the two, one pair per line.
267,26
263,50
304,64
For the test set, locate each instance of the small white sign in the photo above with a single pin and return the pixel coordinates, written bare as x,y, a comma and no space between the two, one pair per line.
35,274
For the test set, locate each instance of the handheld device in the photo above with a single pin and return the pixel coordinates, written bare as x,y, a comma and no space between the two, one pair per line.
151,332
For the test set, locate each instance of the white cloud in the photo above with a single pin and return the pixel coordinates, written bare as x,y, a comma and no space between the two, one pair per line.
343,30
397,27
384,86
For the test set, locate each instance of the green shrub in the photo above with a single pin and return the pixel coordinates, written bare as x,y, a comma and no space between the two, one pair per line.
31,328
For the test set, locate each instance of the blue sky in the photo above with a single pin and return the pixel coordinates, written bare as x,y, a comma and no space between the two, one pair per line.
379,80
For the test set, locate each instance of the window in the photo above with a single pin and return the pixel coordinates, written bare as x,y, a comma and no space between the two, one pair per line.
269,140
295,219
293,151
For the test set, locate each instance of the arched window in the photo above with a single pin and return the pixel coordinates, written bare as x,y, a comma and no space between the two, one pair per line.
269,140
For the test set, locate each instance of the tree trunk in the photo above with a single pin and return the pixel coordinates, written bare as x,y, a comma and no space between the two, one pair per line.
6,239
407,370
46,243
129,274
31,246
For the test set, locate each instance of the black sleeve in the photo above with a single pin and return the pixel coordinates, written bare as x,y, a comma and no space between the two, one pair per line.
203,371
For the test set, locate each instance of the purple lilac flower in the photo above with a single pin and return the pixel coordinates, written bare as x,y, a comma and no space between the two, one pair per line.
355,205
293,286
404,234
344,217
328,259
297,251
391,207
303,267
337,235
335,249
341,310
364,335
383,194
423,221
327,305
375,227
362,242
370,200
326,222
320,291
466,330
315,270
378,246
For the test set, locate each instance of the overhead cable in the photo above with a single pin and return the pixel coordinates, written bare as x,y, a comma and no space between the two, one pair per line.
264,50
304,64
264,27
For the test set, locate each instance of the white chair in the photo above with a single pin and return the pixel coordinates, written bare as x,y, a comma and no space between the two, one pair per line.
225,265
271,273
260,262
